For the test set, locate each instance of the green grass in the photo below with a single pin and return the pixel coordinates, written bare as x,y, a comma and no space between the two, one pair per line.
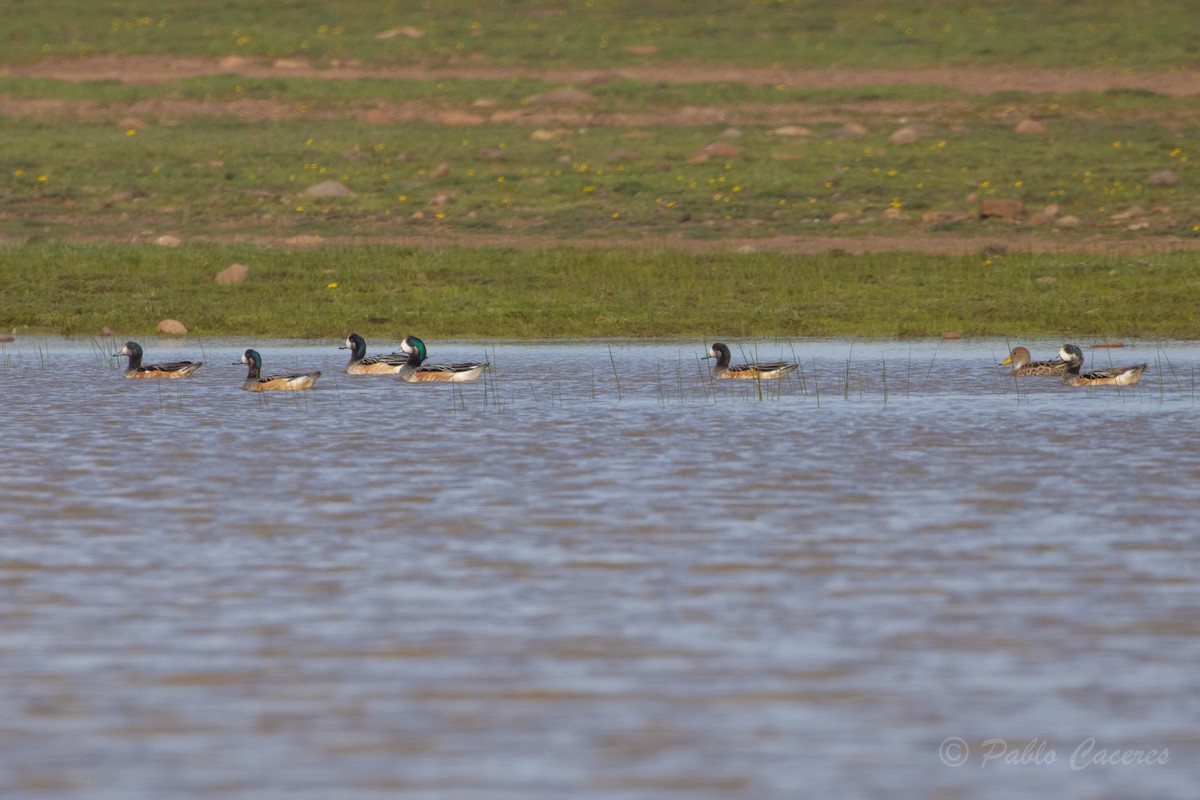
383,293
220,174
226,159
880,33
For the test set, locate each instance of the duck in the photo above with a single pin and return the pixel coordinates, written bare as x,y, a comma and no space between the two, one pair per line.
1024,366
171,369
256,382
765,371
362,364
1120,376
415,370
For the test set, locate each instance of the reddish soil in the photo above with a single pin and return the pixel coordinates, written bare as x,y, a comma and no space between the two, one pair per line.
978,80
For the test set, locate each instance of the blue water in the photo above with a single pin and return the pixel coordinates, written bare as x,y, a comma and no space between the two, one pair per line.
597,574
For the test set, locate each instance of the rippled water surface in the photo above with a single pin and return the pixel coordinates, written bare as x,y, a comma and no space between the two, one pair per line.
597,574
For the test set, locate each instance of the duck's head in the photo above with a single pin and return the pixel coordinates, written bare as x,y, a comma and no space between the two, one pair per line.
414,346
251,358
131,349
719,352
356,344
1071,353
1019,357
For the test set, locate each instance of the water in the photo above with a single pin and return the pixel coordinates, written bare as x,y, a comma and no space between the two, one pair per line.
596,574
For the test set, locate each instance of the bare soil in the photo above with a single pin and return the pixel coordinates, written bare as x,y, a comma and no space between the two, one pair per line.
976,80
971,80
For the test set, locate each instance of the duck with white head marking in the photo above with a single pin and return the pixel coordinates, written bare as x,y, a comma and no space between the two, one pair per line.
362,364
754,371
415,370
257,382
171,369
1119,376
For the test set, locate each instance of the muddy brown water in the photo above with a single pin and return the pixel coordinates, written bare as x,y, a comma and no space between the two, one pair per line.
597,574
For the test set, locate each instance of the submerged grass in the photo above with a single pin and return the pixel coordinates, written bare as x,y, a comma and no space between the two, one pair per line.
387,292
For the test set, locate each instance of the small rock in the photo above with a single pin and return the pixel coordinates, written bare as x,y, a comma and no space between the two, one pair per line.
506,117
1002,209
440,171
117,197
851,130
290,63
107,331
792,130
1138,226
905,136
621,154
407,31
234,273
1030,126
543,135
1163,178
840,216
893,213
132,123
951,336
1046,215
167,240
172,327
328,189
1069,221
1127,214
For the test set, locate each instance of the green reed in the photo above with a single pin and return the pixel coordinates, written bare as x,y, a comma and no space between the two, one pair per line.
616,376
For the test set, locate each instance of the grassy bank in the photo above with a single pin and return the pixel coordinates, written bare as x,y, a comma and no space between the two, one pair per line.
190,168
504,148
383,293
615,33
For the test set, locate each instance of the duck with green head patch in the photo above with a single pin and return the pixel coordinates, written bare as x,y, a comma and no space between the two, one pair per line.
257,382
755,371
415,370
171,369
362,364
1023,365
1118,376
